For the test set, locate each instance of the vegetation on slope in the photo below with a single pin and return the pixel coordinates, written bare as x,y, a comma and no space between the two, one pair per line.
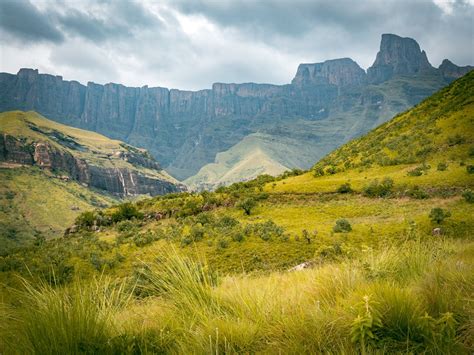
422,147
35,205
391,266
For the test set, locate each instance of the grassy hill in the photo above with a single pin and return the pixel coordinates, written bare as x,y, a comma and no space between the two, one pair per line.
391,262
38,202
430,146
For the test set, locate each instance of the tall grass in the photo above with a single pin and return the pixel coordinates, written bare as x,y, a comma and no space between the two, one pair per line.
59,320
414,299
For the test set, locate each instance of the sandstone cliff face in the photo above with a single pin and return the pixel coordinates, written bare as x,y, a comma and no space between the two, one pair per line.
116,180
398,56
339,72
184,130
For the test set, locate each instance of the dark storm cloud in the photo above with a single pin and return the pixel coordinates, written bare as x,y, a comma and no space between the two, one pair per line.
21,20
119,19
190,44
294,18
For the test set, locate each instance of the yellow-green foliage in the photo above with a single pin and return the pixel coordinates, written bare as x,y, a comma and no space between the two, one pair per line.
439,130
410,297
205,277
95,148
35,203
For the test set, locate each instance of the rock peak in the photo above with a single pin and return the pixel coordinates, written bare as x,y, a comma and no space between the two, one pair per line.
398,56
339,72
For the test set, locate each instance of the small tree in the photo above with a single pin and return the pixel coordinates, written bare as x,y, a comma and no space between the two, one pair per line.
438,215
247,205
342,226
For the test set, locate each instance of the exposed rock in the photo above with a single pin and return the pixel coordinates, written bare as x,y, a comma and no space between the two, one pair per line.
437,231
120,181
398,56
451,71
184,130
302,266
339,72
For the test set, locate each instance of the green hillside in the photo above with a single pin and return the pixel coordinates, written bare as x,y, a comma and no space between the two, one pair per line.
42,202
430,146
386,233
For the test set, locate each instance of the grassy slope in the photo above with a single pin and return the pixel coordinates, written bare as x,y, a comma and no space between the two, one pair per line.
298,143
390,256
438,130
99,149
35,203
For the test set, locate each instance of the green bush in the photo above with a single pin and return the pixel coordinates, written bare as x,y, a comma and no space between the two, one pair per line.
345,188
318,172
442,166
468,196
418,171
126,211
85,219
470,169
438,215
247,205
342,226
417,193
376,189
223,243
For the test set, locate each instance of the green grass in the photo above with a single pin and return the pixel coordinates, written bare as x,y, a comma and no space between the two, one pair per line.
35,203
416,291
205,277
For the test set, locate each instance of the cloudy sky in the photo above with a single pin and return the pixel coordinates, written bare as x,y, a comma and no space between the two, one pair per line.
189,44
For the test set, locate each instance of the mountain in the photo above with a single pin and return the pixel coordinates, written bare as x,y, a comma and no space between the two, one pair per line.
326,105
430,146
375,239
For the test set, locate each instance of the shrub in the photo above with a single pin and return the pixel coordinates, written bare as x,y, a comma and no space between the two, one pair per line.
468,196
438,215
418,171
223,243
470,169
318,172
376,189
417,193
344,188
125,226
247,205
442,166
342,226
126,211
456,139
196,233
85,219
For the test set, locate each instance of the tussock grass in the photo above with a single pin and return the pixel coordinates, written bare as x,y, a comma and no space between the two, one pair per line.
415,297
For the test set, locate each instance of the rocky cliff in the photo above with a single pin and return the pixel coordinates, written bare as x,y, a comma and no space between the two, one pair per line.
184,130
398,56
120,169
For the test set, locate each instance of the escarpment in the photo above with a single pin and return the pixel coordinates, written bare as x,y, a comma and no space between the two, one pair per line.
184,130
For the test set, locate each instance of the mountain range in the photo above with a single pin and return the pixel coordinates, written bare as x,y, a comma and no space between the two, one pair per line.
234,132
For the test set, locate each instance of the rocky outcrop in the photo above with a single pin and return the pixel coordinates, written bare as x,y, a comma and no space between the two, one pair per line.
114,180
398,56
451,71
339,72
184,130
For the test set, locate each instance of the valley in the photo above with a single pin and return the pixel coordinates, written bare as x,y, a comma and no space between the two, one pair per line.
379,232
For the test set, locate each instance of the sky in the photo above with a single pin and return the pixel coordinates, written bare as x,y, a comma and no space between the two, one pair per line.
190,44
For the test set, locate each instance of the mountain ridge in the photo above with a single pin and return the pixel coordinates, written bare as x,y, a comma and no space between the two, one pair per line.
184,130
